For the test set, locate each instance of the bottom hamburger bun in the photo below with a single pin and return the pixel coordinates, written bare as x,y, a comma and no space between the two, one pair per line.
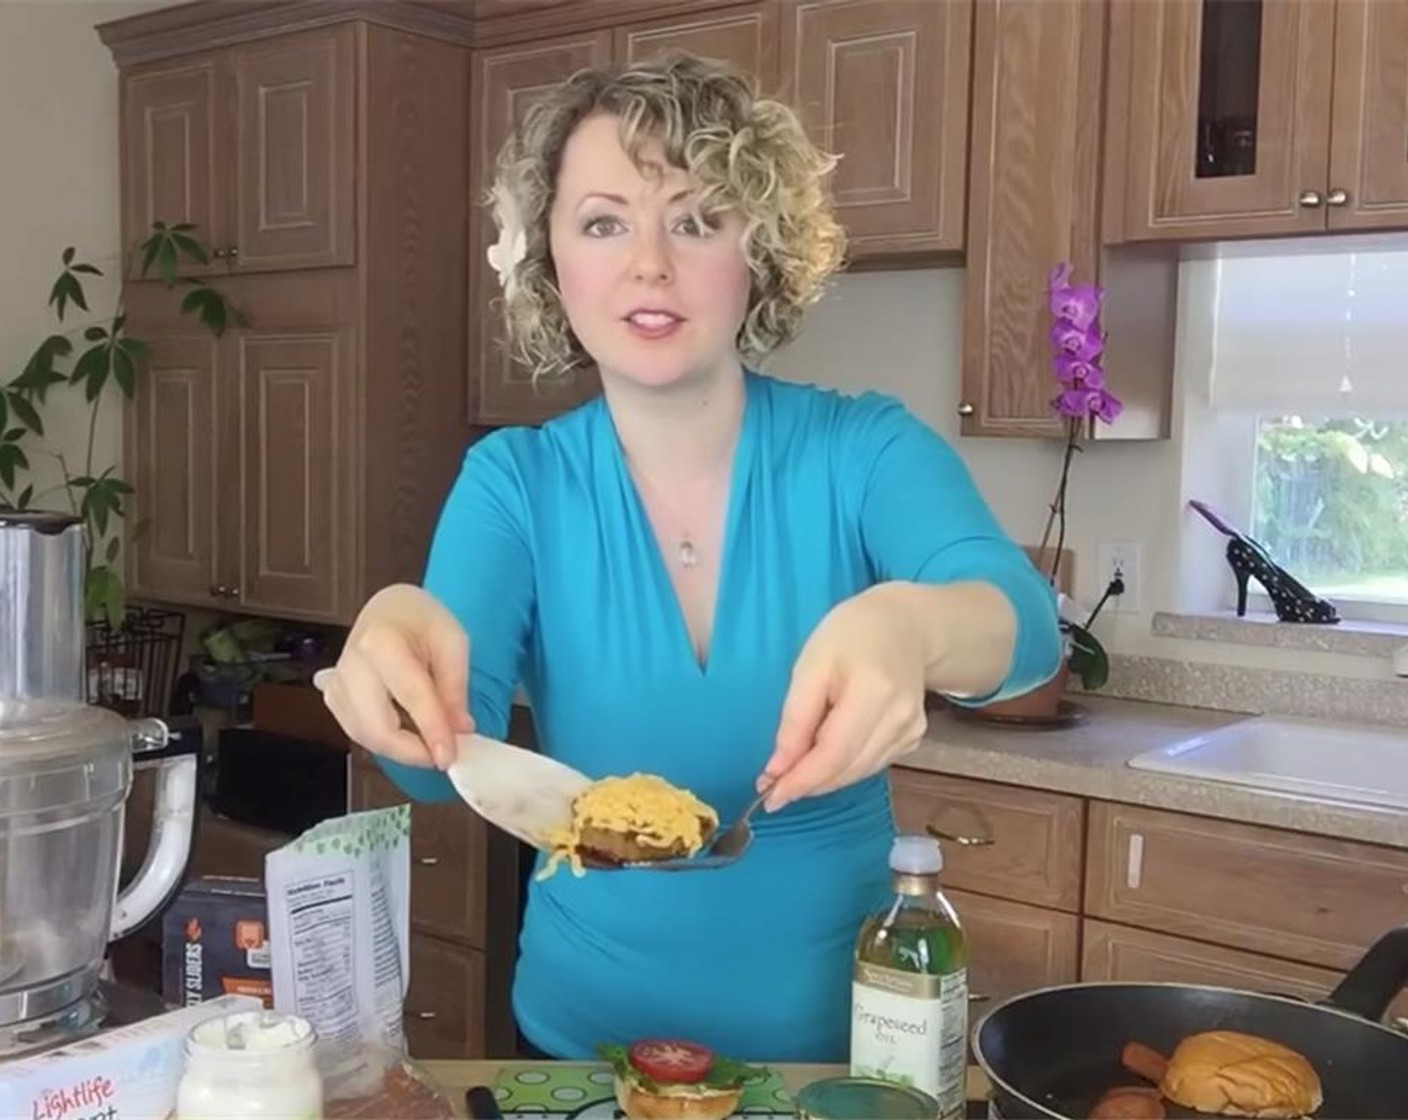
675,1102
1241,1075
611,845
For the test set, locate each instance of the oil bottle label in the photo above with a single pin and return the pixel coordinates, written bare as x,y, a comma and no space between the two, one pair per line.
912,1029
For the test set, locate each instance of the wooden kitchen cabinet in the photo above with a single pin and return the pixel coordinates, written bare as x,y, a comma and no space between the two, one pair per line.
1054,888
445,993
885,84
1308,898
746,37
447,842
254,145
1243,118
1000,840
1014,947
294,465
1033,202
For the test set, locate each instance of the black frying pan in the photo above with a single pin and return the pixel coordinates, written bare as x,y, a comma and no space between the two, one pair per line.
1055,1052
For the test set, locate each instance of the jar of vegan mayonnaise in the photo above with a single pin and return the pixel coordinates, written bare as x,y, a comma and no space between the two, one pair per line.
250,1064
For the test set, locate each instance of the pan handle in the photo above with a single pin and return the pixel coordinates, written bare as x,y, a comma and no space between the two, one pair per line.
1376,980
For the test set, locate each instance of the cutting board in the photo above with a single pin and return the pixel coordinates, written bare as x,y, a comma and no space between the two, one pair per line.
554,1092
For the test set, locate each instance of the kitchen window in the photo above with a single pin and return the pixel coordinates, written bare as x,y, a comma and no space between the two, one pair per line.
1312,341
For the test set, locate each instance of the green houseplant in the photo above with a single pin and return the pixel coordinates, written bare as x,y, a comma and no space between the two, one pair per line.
94,357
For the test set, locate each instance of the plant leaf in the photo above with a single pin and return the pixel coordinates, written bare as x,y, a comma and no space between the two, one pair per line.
95,334
191,247
14,434
87,269
39,371
12,458
68,255
124,372
28,414
66,289
114,547
151,249
26,496
138,350
166,261
91,370
4,410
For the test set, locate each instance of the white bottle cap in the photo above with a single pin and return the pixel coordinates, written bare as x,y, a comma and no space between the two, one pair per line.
916,855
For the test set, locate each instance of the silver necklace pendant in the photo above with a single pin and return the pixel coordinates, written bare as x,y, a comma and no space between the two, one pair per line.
688,554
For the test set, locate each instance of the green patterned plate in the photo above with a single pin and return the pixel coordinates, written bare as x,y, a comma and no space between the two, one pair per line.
584,1092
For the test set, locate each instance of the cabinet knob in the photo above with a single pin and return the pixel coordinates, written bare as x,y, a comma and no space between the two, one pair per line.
232,592
1310,199
233,251
1338,196
966,409
218,254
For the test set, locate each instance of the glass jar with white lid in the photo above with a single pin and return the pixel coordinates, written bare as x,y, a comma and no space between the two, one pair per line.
251,1064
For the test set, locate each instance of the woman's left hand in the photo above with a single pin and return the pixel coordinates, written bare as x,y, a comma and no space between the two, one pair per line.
856,700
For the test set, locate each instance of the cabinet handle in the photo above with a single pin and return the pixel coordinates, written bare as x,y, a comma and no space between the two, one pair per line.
975,832
423,1016
1310,199
966,409
428,861
978,997
1338,196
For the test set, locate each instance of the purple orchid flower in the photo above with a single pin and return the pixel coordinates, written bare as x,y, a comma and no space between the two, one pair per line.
1079,344
1106,406
1079,374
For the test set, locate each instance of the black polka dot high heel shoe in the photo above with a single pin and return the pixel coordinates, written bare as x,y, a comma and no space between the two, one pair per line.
1292,600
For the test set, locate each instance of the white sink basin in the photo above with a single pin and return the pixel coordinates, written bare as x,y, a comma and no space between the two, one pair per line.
1356,763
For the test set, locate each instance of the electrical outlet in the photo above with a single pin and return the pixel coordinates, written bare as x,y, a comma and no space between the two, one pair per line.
1121,557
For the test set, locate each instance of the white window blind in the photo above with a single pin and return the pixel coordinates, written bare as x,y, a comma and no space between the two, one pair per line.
1312,331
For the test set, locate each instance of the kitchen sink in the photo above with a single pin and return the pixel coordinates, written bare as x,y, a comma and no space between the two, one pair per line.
1339,762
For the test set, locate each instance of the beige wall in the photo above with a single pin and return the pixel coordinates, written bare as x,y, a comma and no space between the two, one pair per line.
59,187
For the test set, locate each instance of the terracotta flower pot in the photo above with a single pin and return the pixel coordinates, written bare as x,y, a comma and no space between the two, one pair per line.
1041,703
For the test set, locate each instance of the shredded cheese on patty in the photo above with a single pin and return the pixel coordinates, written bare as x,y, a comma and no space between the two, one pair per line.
656,812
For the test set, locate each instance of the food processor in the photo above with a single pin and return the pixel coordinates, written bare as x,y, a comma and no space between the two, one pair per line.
65,773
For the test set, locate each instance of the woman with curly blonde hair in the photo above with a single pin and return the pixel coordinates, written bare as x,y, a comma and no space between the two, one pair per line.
705,573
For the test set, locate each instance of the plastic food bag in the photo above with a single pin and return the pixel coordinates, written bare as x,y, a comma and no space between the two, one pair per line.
339,933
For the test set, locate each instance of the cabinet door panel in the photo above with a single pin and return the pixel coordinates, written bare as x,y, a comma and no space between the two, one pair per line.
170,143
1369,145
294,428
175,472
884,83
1227,115
295,177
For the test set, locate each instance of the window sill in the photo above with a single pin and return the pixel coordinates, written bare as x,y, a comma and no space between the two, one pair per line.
1364,639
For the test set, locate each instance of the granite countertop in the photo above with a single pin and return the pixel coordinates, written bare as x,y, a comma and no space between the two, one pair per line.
1089,760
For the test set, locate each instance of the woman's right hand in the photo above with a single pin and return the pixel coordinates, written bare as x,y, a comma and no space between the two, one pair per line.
406,647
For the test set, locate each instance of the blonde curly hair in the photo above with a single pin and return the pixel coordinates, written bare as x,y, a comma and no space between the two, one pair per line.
742,151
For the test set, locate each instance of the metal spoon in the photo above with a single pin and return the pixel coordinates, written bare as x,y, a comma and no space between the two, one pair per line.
727,847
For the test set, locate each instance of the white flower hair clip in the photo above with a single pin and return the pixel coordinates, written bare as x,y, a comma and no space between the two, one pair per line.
512,245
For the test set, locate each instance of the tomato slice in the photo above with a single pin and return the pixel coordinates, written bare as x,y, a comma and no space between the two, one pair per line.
672,1059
